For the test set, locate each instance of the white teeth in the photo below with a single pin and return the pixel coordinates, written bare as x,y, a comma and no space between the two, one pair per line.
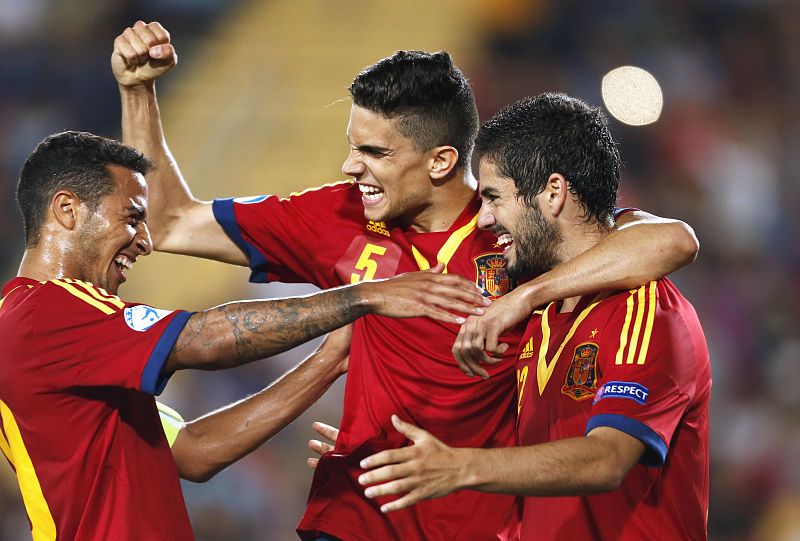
505,239
370,192
123,261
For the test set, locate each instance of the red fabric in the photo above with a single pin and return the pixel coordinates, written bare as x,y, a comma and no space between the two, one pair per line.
72,376
655,502
396,366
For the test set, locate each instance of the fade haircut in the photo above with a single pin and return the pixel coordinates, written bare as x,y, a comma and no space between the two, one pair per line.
533,138
75,161
427,95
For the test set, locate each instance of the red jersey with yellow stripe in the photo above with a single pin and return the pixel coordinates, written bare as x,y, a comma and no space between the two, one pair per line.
401,366
78,370
636,361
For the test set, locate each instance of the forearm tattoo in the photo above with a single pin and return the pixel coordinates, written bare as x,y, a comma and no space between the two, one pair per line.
240,332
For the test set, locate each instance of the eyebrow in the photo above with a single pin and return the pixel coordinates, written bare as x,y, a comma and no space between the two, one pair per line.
489,191
369,148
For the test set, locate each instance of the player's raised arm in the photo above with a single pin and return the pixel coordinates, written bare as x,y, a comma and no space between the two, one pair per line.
179,223
240,332
642,247
212,442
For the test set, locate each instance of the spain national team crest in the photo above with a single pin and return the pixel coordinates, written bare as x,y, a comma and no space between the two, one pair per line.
581,380
492,277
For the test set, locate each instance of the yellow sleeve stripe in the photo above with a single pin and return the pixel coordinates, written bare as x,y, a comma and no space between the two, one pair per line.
635,338
99,293
43,527
648,329
623,335
637,326
106,309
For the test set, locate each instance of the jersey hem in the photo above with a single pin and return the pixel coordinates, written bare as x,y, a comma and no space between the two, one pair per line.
226,217
153,381
656,452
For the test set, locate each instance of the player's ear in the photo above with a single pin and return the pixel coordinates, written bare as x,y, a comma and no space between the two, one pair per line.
64,208
556,192
443,160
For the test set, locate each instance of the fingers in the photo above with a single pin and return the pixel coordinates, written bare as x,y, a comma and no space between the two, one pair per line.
468,350
326,431
312,463
414,433
141,42
408,500
320,447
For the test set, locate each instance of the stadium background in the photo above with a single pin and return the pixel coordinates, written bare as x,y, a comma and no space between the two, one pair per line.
257,105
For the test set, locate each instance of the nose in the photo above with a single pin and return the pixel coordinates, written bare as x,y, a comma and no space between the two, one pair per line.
485,218
143,240
353,166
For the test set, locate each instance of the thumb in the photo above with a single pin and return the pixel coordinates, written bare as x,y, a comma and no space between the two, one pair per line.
439,267
161,52
410,431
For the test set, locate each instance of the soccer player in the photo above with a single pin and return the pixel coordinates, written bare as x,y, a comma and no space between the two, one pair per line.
412,203
79,366
613,387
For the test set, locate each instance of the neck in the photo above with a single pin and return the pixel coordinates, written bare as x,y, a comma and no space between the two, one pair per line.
46,261
578,238
447,202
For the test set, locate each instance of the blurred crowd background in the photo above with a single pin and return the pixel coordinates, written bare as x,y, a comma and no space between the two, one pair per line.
258,105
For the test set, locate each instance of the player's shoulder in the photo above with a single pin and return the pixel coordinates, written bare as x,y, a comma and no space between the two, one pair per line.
654,303
333,191
76,296
336,187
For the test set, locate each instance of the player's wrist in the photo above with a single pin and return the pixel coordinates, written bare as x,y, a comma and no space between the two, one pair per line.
472,469
136,88
367,298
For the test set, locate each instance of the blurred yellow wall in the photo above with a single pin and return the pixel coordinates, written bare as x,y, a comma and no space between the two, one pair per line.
262,108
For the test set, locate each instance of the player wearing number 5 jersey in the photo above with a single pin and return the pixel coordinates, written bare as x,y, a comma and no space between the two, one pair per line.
321,236
412,204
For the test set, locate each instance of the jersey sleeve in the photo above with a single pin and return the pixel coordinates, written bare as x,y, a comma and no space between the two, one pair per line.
280,235
93,339
648,383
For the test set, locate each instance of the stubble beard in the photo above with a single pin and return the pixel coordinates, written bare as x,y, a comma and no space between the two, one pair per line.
535,246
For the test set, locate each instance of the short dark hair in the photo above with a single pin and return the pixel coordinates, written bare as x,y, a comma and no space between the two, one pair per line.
427,94
533,138
75,161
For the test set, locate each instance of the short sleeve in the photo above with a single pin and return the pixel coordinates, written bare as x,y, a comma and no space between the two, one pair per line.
280,236
93,339
648,382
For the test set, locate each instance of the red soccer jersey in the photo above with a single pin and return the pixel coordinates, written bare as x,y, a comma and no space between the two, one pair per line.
636,361
396,366
78,370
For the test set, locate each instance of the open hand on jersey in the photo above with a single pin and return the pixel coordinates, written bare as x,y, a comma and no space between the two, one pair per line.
320,447
427,469
478,340
142,53
427,293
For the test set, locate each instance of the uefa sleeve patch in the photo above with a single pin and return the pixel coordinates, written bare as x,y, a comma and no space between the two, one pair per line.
142,317
622,389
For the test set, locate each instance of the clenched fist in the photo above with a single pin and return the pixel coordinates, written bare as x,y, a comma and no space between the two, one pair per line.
142,53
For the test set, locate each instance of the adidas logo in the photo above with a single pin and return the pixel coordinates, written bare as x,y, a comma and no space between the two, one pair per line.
378,227
527,353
